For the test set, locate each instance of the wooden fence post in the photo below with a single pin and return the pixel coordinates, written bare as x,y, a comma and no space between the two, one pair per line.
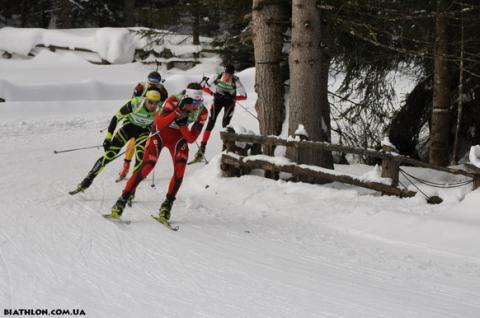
256,149
476,172
390,167
476,183
228,170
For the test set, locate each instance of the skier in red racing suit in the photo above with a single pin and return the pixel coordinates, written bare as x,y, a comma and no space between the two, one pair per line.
170,130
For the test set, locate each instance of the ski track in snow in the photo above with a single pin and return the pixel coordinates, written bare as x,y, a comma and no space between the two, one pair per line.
247,247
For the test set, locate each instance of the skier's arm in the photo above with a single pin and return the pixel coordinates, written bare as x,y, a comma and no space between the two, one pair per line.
207,90
210,88
138,91
191,135
168,113
164,119
122,112
241,93
163,93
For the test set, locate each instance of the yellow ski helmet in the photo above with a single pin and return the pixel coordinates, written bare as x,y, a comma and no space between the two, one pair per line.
153,95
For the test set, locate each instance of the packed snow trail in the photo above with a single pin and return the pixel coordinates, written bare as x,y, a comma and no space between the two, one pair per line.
248,247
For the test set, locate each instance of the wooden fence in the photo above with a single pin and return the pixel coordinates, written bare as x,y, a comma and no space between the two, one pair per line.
237,161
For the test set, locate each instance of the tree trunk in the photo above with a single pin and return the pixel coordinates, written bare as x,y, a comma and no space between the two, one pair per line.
23,13
66,14
268,29
129,12
460,96
439,131
196,28
45,6
309,64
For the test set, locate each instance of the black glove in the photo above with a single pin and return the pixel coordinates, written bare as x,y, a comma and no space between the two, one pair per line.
181,121
185,101
106,144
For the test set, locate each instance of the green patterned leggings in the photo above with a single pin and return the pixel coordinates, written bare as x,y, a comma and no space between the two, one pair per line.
118,141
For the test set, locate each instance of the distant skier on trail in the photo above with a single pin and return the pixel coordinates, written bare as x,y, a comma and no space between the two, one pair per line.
226,90
137,116
154,81
171,131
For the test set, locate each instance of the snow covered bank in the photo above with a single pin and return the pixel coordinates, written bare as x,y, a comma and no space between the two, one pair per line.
55,76
115,45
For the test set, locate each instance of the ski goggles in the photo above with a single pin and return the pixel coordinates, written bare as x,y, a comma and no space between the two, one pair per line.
153,80
197,102
196,95
190,101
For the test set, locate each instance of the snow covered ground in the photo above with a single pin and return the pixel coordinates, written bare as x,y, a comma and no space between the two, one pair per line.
247,247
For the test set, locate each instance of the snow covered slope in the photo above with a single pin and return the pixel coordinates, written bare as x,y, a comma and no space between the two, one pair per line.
247,247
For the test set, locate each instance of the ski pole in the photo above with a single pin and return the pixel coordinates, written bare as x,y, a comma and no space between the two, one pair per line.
203,155
119,155
136,143
245,108
75,149
153,175
153,178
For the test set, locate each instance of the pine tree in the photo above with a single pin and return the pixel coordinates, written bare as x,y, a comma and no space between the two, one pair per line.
309,66
268,37
439,131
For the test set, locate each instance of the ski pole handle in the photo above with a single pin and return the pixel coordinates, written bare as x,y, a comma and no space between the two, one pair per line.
205,79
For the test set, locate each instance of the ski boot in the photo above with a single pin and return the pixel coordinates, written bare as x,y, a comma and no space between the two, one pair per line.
130,199
82,186
165,209
200,155
164,214
117,208
77,190
123,173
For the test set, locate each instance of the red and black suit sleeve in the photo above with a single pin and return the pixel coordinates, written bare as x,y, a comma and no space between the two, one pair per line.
138,91
192,134
168,115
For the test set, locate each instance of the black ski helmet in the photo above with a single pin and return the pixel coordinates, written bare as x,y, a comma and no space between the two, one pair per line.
154,77
230,69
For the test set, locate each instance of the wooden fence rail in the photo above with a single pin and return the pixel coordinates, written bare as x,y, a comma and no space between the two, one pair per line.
235,162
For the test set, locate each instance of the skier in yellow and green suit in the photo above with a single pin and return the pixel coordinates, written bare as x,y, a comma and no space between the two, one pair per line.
153,81
137,117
